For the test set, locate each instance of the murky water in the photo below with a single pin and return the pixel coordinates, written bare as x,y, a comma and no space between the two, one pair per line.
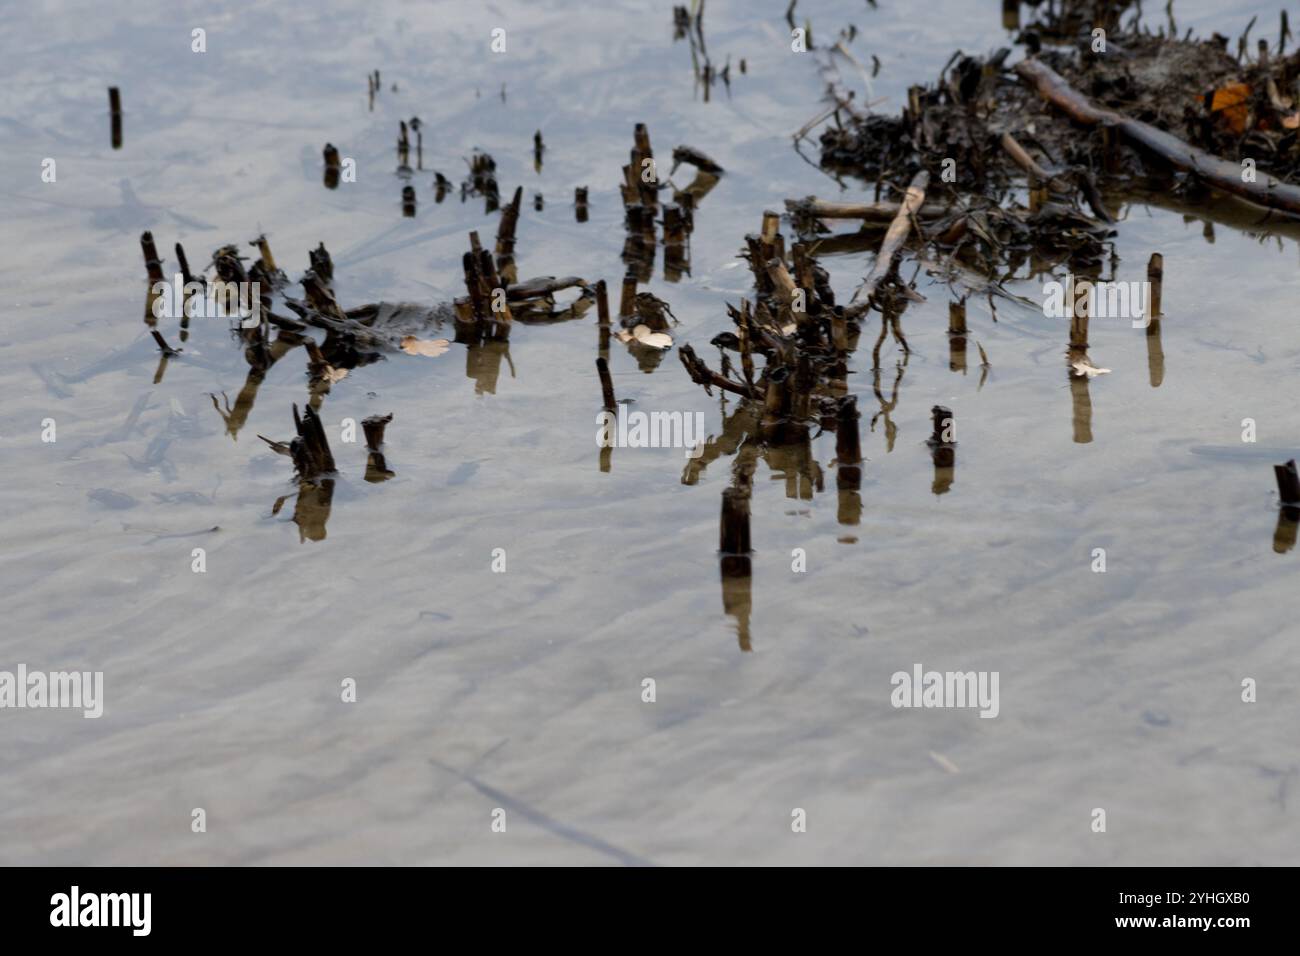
523,690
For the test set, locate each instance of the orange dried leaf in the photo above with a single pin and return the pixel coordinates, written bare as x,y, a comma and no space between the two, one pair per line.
1233,102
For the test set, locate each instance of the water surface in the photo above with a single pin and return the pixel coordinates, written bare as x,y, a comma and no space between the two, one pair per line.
522,690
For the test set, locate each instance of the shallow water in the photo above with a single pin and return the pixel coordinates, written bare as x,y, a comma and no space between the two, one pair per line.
522,690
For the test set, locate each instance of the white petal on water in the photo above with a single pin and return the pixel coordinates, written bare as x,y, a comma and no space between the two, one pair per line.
654,340
413,346
1091,371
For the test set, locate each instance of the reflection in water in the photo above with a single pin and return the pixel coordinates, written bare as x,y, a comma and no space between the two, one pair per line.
1080,397
943,449
1288,521
886,407
1155,351
1155,354
748,435
416,127
366,334
686,26
376,467
640,190
1077,359
957,336
311,508
483,365
1288,489
848,461
734,550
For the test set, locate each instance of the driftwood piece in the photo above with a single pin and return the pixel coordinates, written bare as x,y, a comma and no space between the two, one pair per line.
1222,174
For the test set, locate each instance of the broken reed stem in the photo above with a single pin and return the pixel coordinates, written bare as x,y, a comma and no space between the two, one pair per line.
115,111
1021,158
942,418
264,250
186,275
848,448
151,261
311,449
942,443
374,430
733,531
602,303
784,289
891,245
509,223
957,318
331,176
606,385
647,186
321,264
627,301
1288,483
